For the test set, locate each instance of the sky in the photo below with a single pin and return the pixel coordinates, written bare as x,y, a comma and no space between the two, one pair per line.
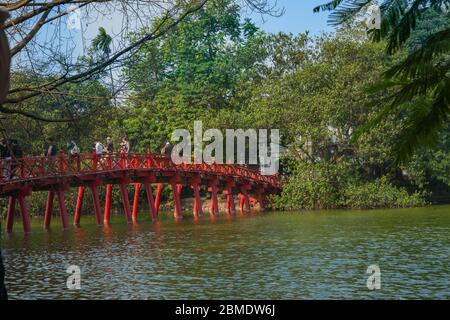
298,17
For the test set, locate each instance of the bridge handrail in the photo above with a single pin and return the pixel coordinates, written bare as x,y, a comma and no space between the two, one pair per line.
32,167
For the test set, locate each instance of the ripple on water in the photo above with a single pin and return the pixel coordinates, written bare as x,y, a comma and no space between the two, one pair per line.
321,255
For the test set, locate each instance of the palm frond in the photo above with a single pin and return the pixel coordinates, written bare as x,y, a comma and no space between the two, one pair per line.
328,6
417,62
425,120
347,11
403,22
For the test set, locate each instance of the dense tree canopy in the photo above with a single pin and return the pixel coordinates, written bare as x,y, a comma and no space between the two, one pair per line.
218,67
419,83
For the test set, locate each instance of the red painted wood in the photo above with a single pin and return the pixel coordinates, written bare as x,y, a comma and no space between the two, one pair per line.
125,201
150,201
10,213
177,200
49,209
158,197
79,205
137,189
198,206
25,214
62,207
107,212
96,203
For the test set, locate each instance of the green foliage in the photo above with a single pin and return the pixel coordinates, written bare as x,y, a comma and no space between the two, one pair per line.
217,67
313,186
87,103
418,85
379,194
329,186
203,66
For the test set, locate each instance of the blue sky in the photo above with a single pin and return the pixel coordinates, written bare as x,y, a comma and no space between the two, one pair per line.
298,17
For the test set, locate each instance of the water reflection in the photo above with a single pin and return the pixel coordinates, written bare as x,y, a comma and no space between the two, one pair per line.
256,256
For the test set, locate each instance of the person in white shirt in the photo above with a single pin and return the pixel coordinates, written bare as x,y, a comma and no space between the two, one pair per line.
99,148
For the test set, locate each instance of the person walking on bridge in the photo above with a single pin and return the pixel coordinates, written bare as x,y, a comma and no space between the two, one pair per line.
109,145
50,153
72,150
99,148
5,150
125,145
52,148
17,155
167,150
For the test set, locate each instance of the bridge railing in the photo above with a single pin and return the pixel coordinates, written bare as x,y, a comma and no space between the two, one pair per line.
34,167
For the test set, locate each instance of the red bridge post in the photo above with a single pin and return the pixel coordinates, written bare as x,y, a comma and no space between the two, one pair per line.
137,189
94,192
24,209
231,207
10,213
125,200
244,201
198,207
62,206
150,201
214,204
48,209
79,205
107,212
176,190
158,197
261,198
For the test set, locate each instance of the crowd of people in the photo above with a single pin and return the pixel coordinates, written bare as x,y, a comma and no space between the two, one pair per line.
100,149
11,150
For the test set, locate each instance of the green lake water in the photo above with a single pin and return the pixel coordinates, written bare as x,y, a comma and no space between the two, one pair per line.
296,255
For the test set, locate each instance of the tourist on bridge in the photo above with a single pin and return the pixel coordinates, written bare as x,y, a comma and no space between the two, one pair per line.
51,152
109,145
17,153
167,150
5,153
125,145
99,148
52,148
72,150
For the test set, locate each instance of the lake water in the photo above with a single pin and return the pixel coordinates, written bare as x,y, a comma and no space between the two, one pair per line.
298,255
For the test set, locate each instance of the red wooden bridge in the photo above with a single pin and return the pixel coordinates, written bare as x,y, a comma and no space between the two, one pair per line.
57,174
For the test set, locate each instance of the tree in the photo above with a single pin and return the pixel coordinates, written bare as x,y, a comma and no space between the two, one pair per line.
196,70
418,84
45,56
102,45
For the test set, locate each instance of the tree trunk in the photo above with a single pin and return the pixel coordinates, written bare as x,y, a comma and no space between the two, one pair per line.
5,61
3,294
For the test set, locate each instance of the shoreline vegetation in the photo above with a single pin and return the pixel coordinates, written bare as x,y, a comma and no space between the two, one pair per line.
220,68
